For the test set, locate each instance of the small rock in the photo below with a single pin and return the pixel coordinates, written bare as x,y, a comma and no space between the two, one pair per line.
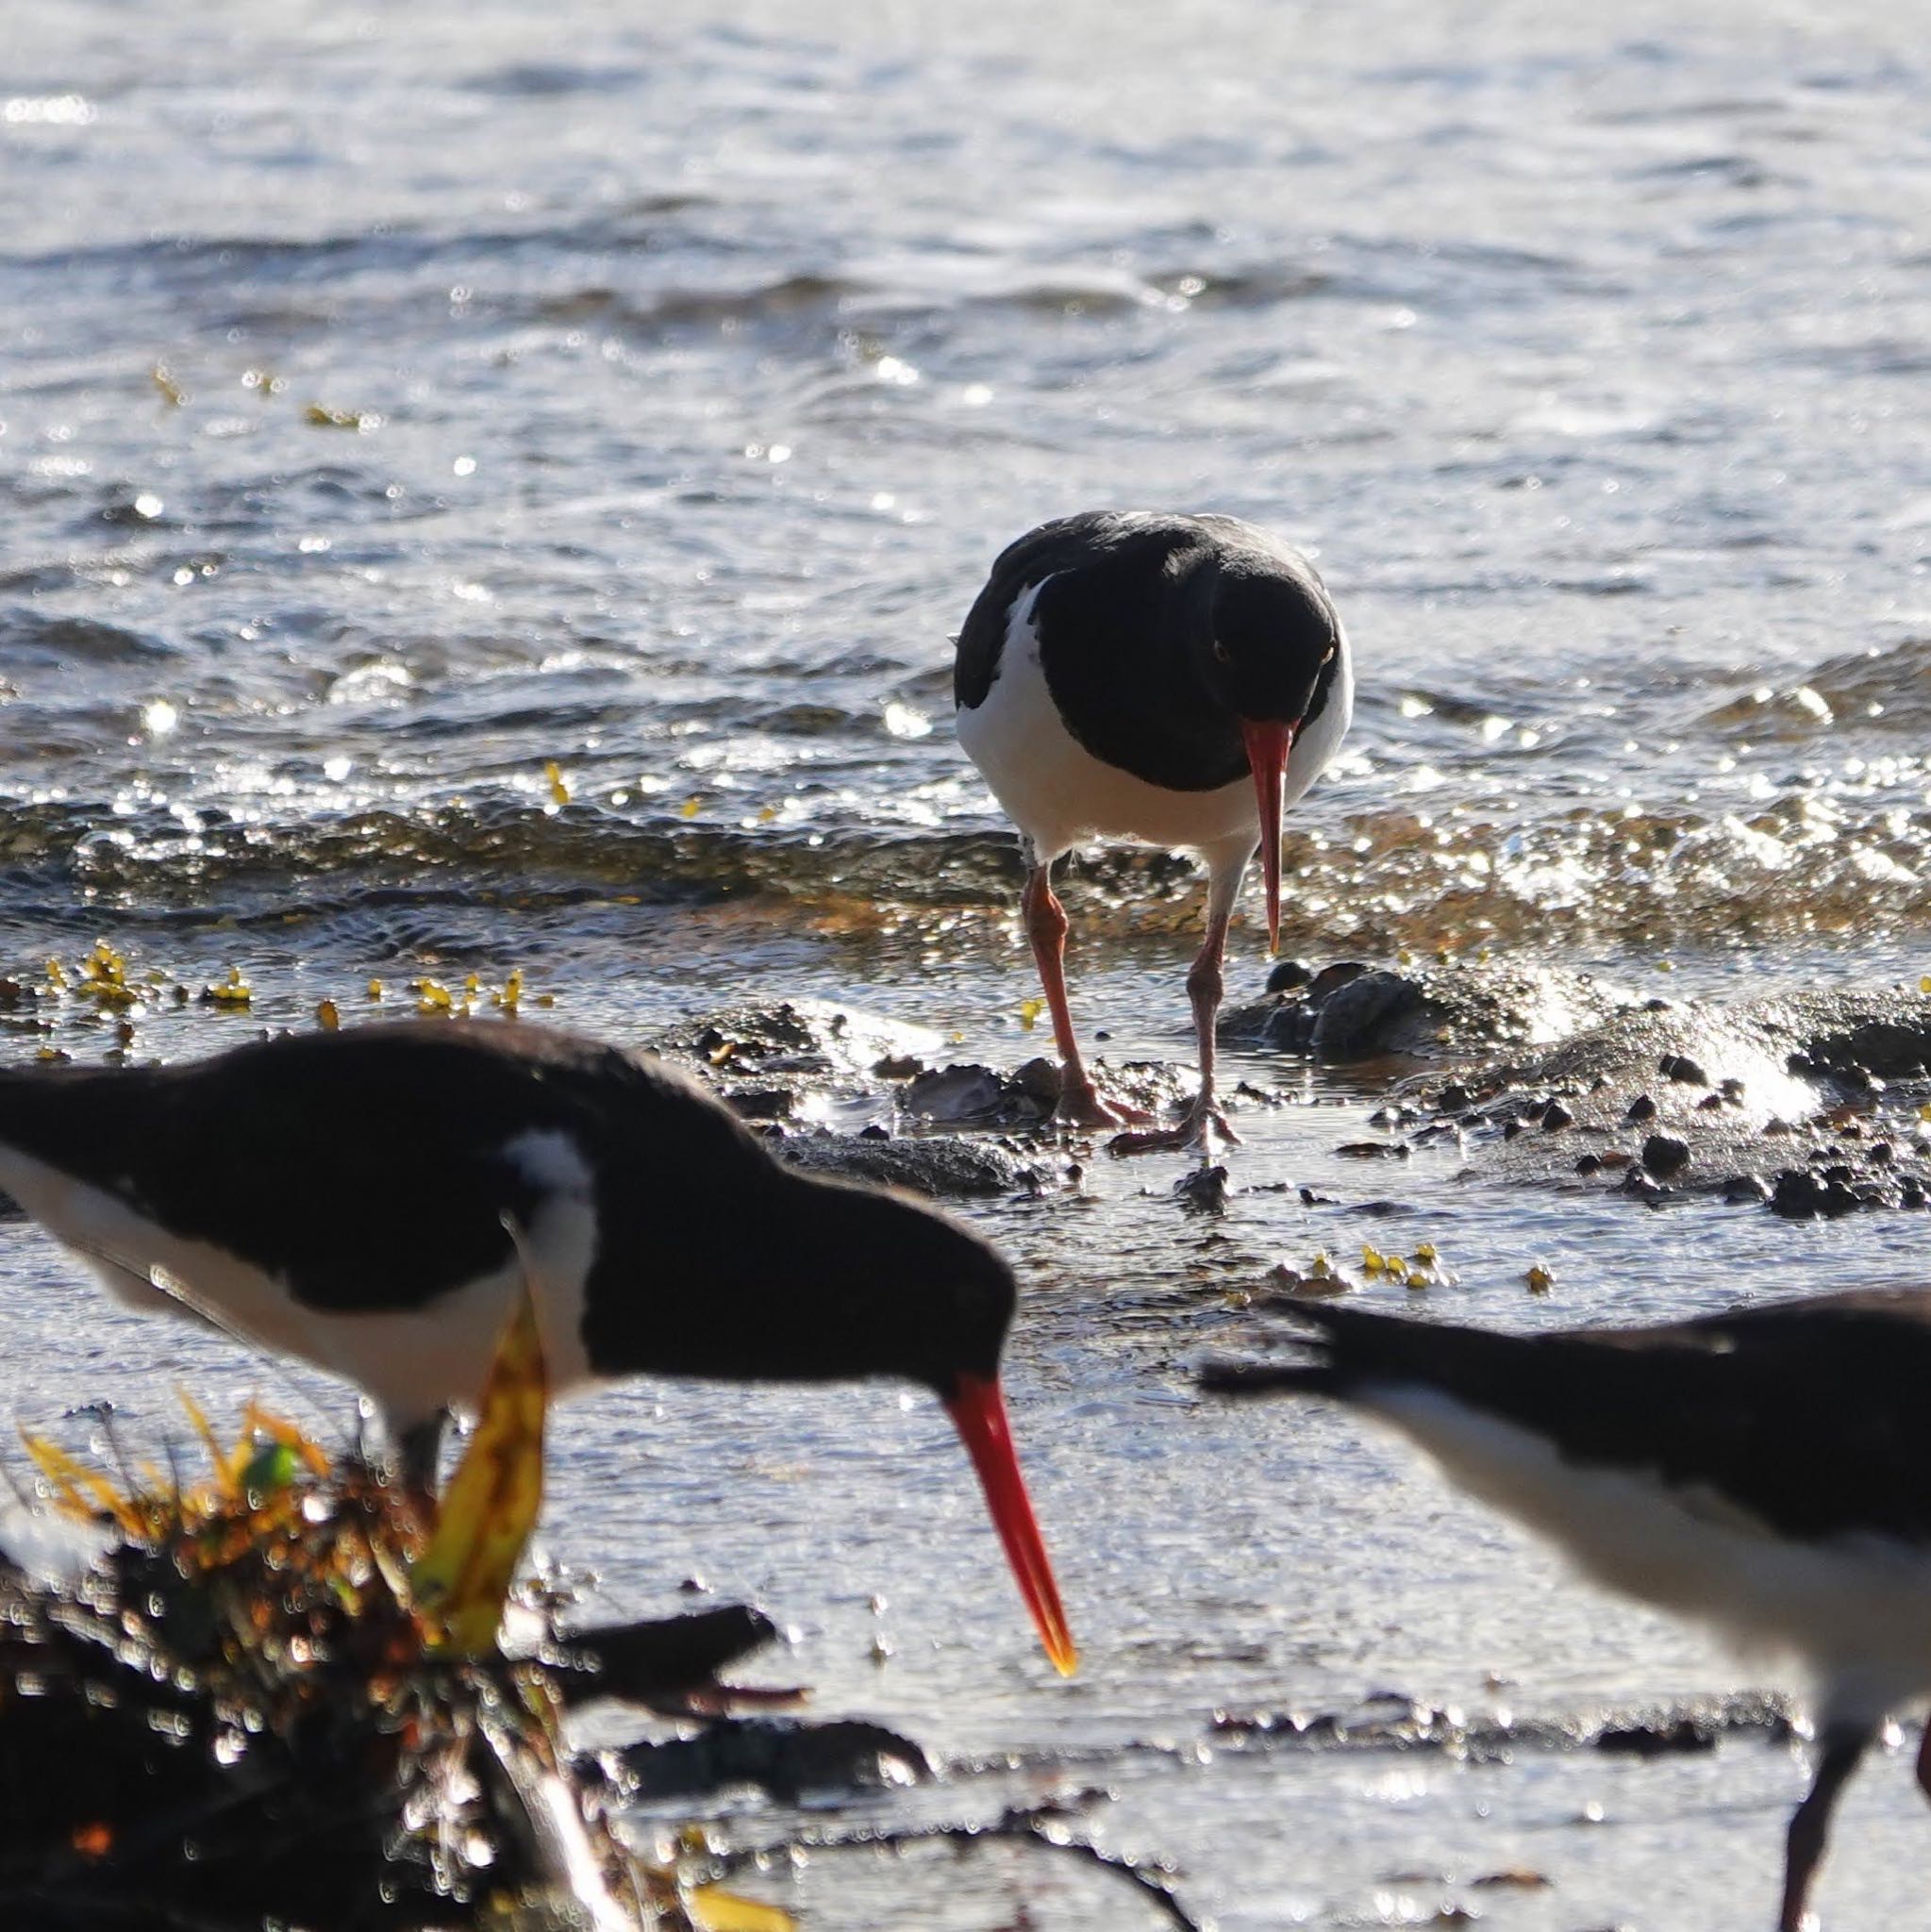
1589,1164
929,1164
1663,1154
1041,1078
1287,975
1555,1117
761,1103
1799,1195
1677,1066
1654,1739
955,1094
1204,1189
1741,1189
1641,1109
1338,974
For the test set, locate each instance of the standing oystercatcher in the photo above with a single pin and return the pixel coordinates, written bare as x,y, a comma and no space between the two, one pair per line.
370,1201
1144,674
1767,1471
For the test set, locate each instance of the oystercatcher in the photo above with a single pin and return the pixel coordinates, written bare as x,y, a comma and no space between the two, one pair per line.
1767,1471
369,1200
1149,676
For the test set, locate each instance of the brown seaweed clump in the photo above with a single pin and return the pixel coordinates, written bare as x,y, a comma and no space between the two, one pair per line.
266,1702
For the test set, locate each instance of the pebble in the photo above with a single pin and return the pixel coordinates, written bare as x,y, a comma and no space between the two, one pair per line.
1799,1195
1677,1066
1663,1154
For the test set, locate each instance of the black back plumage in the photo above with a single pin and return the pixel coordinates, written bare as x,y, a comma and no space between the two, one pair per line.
1124,592
1810,1415
367,1170
371,1169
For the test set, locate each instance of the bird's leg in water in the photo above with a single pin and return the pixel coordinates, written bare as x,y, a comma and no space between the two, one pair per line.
1840,1748
1080,1105
418,1449
1203,1118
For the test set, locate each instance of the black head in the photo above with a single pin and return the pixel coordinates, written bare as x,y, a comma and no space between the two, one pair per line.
904,1291
813,1281
1263,637
784,1276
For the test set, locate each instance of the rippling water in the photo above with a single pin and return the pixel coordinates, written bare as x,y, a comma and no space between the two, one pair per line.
398,403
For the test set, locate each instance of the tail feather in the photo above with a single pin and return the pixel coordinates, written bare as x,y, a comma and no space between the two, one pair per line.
1344,1348
1260,1378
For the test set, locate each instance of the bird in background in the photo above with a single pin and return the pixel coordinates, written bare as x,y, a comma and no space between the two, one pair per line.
370,1201
1177,680
1766,1471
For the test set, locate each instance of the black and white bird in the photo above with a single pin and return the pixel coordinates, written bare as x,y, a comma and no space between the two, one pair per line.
1767,1473
371,1200
1148,675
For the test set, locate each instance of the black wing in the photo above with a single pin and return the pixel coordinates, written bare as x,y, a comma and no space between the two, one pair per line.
1065,543
369,1170
1810,1415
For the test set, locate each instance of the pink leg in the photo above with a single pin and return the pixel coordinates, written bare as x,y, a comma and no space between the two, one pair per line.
1045,926
1203,1117
1840,1748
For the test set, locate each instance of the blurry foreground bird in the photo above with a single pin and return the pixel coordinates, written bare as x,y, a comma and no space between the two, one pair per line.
370,1201
1767,1471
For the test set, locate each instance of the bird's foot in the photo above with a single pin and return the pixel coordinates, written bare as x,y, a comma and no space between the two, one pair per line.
1196,1127
1081,1105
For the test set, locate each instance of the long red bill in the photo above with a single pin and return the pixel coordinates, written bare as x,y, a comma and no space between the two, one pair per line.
1268,745
979,1413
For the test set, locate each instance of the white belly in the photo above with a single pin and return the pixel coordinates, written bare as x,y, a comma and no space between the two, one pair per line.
1856,1609
1060,795
413,1362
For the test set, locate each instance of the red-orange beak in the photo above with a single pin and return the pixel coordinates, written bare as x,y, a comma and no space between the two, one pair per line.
979,1413
1267,747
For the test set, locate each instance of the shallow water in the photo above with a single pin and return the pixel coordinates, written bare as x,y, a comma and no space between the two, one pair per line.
395,405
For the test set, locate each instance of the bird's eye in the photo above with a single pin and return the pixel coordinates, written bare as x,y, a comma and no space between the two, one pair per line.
1222,655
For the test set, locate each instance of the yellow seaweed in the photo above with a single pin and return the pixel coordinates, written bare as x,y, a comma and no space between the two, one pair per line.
462,1578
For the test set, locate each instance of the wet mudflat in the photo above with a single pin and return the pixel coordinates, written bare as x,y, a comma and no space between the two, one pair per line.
1324,1686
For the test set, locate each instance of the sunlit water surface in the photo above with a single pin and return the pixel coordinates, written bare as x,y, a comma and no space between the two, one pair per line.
396,404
